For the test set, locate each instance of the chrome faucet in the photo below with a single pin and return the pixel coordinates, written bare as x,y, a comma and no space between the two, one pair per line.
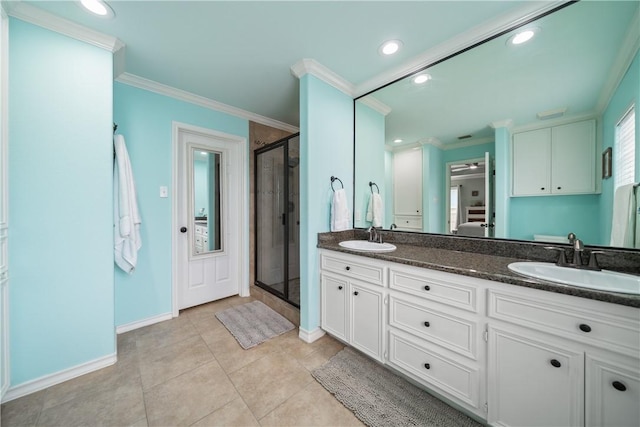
578,247
374,235
578,254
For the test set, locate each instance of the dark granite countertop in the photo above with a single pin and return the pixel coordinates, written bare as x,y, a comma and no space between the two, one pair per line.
467,263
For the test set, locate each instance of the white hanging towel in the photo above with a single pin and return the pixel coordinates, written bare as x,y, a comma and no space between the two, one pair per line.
126,217
623,226
375,210
339,211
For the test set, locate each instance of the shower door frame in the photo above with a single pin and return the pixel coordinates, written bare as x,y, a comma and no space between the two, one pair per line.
284,142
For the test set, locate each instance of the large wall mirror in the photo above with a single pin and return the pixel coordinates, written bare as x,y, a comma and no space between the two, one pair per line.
461,151
206,199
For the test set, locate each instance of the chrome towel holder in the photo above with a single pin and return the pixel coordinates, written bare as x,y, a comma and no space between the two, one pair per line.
335,178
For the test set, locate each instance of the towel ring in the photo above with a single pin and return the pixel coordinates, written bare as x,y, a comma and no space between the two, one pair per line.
335,178
371,184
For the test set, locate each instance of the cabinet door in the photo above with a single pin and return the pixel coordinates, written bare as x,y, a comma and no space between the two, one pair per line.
334,305
366,320
407,182
531,164
533,383
612,392
573,153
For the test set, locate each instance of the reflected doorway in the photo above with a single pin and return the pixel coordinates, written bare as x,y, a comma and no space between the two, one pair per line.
277,218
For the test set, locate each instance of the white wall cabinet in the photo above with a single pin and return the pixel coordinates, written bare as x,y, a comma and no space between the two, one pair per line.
407,189
555,160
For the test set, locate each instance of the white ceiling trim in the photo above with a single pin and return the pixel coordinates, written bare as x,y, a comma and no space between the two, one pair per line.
44,19
506,123
458,43
159,88
376,104
540,124
627,52
313,67
469,143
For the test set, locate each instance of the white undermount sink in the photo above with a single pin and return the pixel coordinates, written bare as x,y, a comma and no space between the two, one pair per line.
603,280
366,246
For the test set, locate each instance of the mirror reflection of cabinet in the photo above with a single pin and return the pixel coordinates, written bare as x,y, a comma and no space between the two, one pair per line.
407,189
206,185
555,160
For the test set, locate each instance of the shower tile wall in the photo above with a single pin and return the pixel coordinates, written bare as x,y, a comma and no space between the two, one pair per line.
259,136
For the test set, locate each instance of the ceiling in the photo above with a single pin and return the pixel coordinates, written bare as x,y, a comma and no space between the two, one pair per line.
240,53
572,63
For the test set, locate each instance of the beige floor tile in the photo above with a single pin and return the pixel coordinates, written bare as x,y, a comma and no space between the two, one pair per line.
228,352
233,414
188,398
206,322
322,355
118,407
165,333
23,411
269,381
170,361
313,406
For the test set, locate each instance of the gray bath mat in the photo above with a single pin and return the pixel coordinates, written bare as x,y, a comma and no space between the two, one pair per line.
253,323
378,397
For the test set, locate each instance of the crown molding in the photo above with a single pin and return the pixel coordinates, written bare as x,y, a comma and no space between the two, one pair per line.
468,143
623,60
461,41
375,104
44,19
159,88
313,67
541,124
506,123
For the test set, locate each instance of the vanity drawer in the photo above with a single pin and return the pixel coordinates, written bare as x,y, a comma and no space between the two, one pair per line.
434,286
451,332
408,221
588,321
352,266
433,369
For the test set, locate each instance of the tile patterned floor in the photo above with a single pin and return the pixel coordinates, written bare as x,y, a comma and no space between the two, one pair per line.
191,371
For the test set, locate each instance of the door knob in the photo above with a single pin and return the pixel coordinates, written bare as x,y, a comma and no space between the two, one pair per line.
183,229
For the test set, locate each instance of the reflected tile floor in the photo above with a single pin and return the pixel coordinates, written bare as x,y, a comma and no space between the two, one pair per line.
191,371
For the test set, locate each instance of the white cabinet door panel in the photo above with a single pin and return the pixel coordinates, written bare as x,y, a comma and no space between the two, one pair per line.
531,167
334,305
366,307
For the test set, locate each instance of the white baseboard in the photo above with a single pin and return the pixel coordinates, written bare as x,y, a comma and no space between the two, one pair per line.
41,383
310,336
142,323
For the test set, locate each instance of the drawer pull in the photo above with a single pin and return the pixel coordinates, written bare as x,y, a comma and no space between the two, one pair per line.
427,288
355,293
426,324
585,328
619,386
339,288
427,366
347,268
542,188
555,363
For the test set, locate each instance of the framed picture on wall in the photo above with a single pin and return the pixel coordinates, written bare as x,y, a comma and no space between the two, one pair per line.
606,163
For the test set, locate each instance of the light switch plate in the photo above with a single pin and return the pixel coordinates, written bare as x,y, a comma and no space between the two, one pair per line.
164,191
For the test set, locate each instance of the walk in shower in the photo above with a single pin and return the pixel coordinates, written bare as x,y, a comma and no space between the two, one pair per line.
277,218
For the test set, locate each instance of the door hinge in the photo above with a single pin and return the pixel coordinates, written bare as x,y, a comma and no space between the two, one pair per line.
486,335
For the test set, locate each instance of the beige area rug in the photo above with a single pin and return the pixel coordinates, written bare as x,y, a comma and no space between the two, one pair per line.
379,398
253,323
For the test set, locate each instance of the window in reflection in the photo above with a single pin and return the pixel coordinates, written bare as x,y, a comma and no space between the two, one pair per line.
207,235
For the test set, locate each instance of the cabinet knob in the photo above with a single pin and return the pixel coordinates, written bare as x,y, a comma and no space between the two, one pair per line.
555,363
542,188
584,327
340,287
559,188
619,386
426,324
355,293
427,287
427,366
347,268
183,229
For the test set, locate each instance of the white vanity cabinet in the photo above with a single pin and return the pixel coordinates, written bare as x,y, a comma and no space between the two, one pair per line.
555,160
407,189
557,360
201,235
352,301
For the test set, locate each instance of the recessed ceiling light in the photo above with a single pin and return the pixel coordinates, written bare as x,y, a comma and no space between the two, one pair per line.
397,141
98,7
522,36
421,78
390,47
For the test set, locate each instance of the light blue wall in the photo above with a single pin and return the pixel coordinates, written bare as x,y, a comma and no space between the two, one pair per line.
388,186
628,92
370,161
201,189
502,183
433,195
145,119
60,202
326,149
